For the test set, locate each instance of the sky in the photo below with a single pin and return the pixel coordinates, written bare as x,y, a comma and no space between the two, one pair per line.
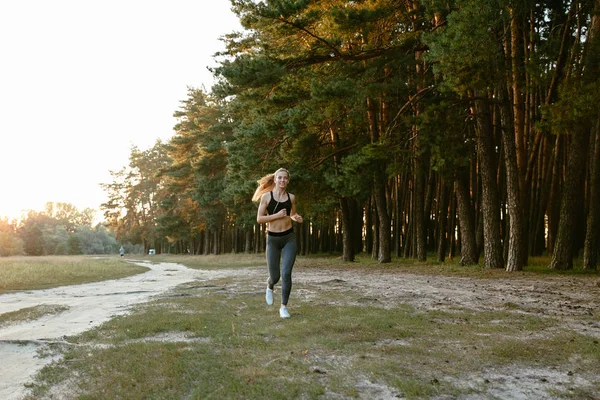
82,81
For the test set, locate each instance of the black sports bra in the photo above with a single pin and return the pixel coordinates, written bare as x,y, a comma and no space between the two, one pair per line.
275,206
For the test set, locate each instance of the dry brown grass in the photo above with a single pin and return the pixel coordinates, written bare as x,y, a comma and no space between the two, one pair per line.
28,273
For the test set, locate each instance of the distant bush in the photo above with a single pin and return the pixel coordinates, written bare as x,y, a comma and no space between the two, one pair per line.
10,244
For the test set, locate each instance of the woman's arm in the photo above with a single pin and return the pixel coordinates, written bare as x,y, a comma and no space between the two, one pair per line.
294,217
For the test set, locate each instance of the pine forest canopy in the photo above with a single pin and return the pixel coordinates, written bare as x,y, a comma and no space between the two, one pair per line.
460,127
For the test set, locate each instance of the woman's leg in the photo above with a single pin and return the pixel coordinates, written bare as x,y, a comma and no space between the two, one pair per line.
288,257
273,260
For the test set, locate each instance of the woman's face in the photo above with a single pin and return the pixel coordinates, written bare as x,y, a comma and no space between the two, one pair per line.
282,179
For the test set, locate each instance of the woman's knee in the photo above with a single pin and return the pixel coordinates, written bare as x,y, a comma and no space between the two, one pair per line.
275,279
286,275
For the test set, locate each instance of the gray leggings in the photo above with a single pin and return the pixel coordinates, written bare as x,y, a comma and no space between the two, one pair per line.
281,248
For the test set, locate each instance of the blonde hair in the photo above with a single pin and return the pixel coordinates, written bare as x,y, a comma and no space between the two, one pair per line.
267,183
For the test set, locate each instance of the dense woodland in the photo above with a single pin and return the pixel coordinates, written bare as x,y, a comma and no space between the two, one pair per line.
455,128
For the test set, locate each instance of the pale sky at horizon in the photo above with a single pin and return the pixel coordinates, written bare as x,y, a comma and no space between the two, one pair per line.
82,81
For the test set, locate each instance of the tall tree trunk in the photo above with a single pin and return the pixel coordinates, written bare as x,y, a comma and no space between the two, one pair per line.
520,139
562,257
421,165
442,216
347,229
543,184
216,242
385,223
248,241
468,247
369,226
518,105
398,217
304,228
490,203
375,246
592,235
452,225
408,244
431,189
590,258
206,242
419,202
200,249
379,191
516,255
356,219
555,191
403,206
347,226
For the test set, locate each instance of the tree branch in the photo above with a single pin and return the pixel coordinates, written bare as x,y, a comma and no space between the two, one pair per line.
328,156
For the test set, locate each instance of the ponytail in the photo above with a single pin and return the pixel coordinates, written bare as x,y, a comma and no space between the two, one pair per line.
267,184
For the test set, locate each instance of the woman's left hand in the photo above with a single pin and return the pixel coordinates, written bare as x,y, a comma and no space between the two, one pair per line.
296,218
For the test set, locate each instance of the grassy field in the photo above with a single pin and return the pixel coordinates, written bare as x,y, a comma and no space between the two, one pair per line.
28,273
218,340
537,266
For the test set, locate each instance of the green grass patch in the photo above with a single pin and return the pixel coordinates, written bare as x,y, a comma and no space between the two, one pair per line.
537,266
209,262
30,314
29,273
226,343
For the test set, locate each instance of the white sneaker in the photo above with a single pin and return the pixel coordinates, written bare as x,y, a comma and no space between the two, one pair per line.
283,312
269,296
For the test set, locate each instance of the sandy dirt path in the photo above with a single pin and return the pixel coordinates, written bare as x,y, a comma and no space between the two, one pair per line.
89,305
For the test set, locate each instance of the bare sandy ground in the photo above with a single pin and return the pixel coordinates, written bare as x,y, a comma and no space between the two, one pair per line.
571,300
88,305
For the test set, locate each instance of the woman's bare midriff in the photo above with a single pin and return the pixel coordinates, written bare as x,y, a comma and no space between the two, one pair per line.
280,225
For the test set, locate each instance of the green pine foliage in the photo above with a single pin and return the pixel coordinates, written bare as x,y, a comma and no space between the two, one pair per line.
376,108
